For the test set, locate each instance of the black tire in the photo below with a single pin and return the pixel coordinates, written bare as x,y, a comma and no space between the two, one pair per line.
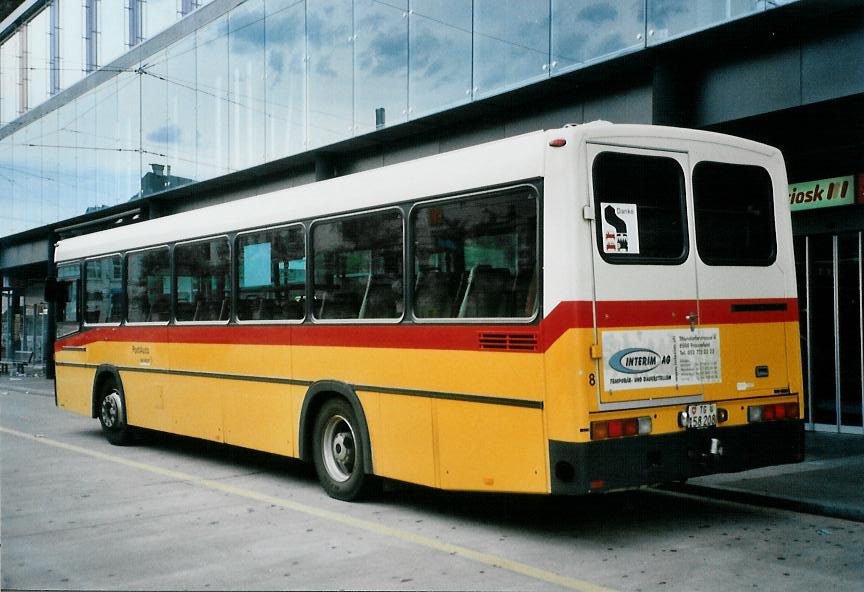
337,448
112,415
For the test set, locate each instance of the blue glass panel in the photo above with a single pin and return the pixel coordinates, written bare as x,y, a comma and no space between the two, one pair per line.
157,132
439,70
31,192
106,143
50,172
585,31
330,39
71,32
67,165
158,15
286,77
38,59
511,44
7,183
9,79
180,125
213,102
113,29
380,63
129,135
86,129
246,85
672,18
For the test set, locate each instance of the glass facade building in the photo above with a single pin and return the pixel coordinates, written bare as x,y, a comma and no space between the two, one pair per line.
254,81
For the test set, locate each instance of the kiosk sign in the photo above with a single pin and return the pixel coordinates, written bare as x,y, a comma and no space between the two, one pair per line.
825,193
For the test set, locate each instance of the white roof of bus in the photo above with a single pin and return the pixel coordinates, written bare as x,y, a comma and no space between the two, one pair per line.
501,161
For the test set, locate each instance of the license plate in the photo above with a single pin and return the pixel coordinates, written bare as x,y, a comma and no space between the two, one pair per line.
703,415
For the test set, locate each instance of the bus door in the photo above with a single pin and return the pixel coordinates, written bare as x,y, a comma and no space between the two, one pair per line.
650,346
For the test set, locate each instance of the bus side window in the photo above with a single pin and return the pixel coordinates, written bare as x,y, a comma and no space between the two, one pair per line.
359,267
271,275
203,290
66,293
476,257
148,286
103,284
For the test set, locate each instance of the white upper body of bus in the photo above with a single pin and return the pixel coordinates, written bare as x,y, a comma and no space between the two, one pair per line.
564,160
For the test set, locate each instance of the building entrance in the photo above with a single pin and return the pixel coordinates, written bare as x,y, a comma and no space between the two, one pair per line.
832,329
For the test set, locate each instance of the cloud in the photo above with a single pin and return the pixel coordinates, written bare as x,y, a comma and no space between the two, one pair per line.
167,134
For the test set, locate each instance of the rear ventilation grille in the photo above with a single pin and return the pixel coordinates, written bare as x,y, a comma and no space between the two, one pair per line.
526,342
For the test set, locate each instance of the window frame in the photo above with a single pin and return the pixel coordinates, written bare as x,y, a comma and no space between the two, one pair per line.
175,292
235,283
310,268
126,320
85,283
725,262
617,258
537,192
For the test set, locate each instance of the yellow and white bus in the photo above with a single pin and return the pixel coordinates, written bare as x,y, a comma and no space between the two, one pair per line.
568,311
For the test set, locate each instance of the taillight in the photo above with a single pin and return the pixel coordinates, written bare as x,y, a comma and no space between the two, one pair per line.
619,428
775,412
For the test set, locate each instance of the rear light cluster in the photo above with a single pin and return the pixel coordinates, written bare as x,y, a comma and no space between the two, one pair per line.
619,428
775,412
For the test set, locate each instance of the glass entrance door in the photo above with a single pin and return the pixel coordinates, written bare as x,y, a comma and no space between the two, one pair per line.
832,330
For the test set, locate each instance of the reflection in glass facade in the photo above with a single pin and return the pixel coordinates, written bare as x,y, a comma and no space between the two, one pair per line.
511,44
272,78
586,31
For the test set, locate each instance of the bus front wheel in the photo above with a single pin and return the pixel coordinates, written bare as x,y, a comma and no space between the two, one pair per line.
112,416
337,448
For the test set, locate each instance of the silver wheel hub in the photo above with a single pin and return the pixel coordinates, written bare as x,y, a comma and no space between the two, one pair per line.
338,448
112,409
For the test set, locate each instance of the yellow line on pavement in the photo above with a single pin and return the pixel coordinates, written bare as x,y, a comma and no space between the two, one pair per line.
338,517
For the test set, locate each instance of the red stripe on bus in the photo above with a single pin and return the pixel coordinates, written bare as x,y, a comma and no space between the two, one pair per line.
565,316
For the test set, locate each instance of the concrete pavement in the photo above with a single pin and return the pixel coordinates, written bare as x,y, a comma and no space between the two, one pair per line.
830,481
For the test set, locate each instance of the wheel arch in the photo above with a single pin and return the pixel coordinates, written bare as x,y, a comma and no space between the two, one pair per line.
316,396
104,374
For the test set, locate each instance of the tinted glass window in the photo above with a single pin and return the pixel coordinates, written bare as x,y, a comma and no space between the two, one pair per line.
203,290
476,257
358,267
148,286
639,208
271,274
103,302
734,214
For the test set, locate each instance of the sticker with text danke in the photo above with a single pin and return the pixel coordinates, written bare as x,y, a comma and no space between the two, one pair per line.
620,228
660,357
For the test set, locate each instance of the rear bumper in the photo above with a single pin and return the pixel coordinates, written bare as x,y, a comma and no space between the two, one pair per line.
580,468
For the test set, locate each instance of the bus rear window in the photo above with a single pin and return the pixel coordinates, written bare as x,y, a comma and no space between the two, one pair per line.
734,214
639,204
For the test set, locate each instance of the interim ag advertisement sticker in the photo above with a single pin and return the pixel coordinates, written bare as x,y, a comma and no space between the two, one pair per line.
660,357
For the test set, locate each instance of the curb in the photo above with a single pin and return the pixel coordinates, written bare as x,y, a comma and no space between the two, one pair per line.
781,503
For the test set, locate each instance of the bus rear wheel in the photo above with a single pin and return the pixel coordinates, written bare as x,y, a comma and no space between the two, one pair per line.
337,447
112,416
